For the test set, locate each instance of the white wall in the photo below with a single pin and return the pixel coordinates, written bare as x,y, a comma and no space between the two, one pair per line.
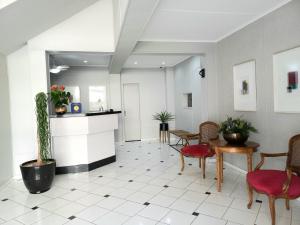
5,136
153,97
21,108
89,30
187,80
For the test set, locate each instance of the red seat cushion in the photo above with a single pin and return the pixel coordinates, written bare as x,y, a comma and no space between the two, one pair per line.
201,150
271,182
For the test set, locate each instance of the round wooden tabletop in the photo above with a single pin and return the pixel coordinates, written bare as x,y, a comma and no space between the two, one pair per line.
225,144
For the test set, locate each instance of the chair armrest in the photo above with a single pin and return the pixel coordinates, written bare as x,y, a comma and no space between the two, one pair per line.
288,181
265,155
274,154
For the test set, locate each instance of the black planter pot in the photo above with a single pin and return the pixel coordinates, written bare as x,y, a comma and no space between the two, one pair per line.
164,127
38,179
235,138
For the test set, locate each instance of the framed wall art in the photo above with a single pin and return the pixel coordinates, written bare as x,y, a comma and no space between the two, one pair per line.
244,86
286,69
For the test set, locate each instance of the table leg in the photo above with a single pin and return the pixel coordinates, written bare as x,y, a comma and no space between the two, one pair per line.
168,137
218,170
222,167
249,162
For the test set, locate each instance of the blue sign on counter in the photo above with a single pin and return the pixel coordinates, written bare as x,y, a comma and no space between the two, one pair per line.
76,107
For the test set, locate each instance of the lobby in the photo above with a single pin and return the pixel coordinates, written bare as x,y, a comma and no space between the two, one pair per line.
124,61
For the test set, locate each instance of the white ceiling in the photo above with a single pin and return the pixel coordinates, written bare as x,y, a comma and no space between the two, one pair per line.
4,3
24,19
79,58
154,61
204,20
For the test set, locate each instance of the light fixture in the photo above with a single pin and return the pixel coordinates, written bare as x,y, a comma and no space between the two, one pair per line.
135,63
85,61
54,70
58,69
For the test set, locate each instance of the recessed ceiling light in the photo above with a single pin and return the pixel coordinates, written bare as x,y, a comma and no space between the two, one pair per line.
55,70
85,61
135,63
163,63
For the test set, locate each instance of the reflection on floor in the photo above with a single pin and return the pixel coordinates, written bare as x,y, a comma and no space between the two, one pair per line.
143,187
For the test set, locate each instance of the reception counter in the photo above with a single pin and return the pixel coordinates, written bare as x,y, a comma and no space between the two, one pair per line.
83,142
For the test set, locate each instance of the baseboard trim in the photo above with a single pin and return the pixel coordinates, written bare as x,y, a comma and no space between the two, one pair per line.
85,167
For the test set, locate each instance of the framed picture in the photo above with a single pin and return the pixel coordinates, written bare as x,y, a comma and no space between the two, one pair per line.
244,86
286,69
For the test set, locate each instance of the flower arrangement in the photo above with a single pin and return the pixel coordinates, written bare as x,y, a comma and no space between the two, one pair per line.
59,96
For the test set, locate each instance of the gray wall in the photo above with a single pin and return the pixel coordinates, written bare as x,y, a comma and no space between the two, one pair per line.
5,136
83,77
275,32
187,80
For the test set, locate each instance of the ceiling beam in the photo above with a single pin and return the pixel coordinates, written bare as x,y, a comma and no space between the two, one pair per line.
137,16
179,48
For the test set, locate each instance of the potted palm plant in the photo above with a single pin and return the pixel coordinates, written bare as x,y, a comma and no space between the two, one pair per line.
38,174
236,131
60,98
164,117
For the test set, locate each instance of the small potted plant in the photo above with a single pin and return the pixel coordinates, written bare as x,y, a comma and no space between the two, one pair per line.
236,131
164,117
38,174
60,98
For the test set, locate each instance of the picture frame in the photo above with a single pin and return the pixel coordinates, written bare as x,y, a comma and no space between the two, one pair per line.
286,71
244,86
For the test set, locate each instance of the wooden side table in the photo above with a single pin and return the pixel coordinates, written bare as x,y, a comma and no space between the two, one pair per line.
221,146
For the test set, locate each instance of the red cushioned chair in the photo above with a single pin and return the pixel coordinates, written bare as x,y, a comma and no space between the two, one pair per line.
275,183
207,131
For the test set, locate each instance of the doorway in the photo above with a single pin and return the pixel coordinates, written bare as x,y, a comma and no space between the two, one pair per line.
132,120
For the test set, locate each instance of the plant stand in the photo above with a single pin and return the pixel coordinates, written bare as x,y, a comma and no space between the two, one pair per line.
164,132
163,136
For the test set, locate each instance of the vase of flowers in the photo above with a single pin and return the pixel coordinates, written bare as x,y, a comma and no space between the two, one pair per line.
60,98
236,131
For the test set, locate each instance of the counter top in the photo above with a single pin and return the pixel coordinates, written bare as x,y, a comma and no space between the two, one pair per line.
85,114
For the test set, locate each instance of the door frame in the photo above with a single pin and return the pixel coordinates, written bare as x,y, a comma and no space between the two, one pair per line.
123,111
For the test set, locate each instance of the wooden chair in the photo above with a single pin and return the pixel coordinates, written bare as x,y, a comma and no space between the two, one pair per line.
207,131
275,183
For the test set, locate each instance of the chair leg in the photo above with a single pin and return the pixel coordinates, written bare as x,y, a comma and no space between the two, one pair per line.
199,162
287,204
250,194
203,167
182,161
272,209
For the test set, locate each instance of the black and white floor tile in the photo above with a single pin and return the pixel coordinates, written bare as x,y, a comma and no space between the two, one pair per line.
144,187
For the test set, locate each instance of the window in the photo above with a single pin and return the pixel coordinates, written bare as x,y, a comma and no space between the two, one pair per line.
188,100
97,98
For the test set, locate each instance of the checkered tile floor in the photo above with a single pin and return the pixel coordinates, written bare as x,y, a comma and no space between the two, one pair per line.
144,187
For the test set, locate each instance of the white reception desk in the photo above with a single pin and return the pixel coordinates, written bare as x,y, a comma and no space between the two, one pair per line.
83,142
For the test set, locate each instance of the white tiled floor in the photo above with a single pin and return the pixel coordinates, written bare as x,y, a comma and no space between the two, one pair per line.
144,187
